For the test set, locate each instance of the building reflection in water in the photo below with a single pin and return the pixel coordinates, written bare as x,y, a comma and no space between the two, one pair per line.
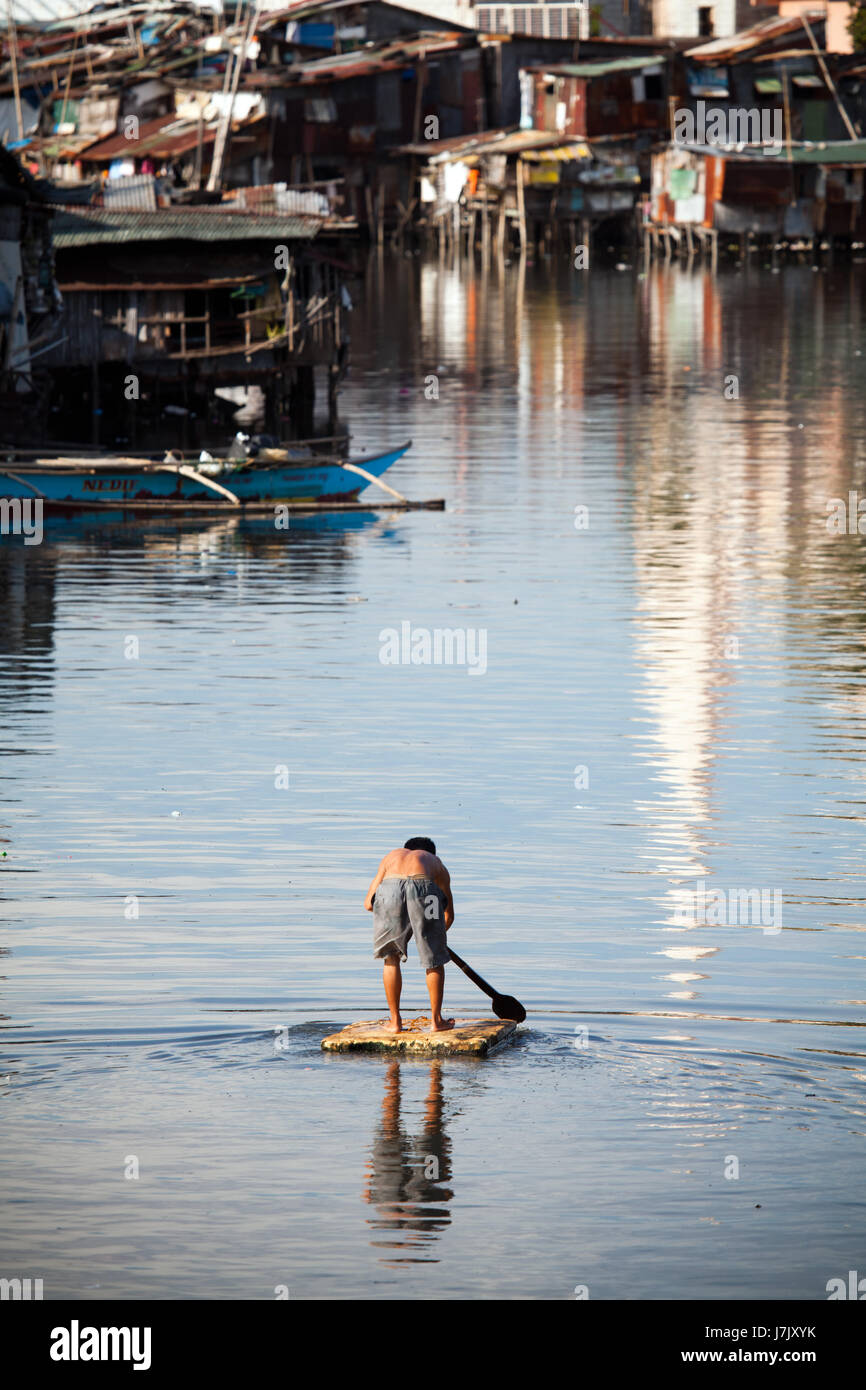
727,523
408,1175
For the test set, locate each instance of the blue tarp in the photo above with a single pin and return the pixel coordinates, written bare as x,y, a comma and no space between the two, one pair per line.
316,35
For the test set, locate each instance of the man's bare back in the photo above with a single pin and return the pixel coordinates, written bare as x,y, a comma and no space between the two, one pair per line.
414,863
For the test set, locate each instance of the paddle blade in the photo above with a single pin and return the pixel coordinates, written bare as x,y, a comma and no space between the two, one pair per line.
506,1006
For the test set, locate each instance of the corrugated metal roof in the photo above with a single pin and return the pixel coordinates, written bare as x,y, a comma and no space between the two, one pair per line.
483,143
134,193
780,53
96,226
78,14
305,8
561,154
601,67
717,50
162,137
52,13
64,146
831,152
379,58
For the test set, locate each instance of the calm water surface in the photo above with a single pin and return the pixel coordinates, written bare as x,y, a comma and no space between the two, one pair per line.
674,696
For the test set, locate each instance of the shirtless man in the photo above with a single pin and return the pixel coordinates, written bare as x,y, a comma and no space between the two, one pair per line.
411,896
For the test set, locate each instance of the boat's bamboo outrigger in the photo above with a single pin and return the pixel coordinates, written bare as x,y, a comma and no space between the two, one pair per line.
186,472
293,477
7,473
377,482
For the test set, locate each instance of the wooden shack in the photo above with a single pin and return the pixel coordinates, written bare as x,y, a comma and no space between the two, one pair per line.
164,304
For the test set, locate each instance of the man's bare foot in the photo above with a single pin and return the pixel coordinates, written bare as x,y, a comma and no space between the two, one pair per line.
441,1025
394,1025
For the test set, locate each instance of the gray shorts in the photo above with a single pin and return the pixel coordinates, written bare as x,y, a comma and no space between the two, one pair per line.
405,907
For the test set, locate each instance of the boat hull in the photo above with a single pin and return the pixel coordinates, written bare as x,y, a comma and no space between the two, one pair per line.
129,485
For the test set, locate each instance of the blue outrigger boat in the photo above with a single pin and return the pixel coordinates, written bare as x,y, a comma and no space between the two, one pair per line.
293,475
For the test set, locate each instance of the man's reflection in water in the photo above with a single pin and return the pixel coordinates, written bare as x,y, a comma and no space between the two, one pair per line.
406,1174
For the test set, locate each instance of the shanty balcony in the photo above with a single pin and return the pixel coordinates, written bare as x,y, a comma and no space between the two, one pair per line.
305,329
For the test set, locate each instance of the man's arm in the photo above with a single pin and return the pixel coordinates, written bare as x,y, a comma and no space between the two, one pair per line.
449,901
368,901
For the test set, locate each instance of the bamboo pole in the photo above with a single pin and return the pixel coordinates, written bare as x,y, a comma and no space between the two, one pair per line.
485,228
371,478
13,47
224,128
787,106
7,473
199,148
68,80
828,79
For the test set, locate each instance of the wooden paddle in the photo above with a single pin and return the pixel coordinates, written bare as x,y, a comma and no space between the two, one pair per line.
504,1005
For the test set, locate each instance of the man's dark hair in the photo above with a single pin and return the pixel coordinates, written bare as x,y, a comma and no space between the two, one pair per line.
420,842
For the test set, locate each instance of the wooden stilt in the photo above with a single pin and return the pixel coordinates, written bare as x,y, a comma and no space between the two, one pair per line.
585,238
521,205
485,230
368,200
